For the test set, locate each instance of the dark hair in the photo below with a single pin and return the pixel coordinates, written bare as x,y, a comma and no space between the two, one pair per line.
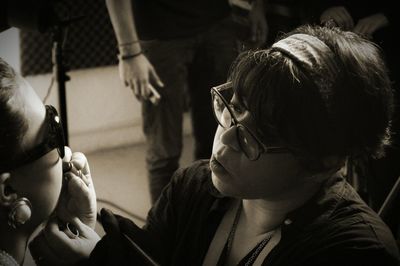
352,117
12,124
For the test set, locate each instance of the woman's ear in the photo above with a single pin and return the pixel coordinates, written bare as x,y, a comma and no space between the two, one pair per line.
7,194
334,162
331,164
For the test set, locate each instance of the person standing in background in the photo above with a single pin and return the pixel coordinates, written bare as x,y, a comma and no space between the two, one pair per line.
168,49
275,17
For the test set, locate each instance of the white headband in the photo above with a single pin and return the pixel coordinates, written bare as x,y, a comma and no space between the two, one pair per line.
313,55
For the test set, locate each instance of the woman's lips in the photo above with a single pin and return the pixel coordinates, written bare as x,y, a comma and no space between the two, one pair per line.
217,168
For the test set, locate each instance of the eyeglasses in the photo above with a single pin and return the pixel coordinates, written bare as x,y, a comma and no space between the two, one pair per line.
54,139
250,145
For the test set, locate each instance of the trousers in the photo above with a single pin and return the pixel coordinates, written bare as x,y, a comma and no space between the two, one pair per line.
188,67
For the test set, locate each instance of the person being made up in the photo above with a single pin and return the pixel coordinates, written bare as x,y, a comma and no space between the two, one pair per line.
31,169
185,47
273,192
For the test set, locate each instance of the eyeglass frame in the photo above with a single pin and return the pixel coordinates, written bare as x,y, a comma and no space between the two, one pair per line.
235,122
54,139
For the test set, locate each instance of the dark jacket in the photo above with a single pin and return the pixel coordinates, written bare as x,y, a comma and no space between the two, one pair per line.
335,227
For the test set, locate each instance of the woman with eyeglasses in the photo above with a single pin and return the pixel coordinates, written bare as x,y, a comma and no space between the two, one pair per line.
32,159
273,192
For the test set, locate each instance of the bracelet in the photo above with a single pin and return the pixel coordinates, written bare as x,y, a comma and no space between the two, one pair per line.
129,56
128,43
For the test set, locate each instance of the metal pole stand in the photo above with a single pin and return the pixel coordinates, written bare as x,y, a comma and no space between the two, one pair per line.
60,72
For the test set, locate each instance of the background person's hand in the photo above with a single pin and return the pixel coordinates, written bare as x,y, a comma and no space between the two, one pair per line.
52,246
139,74
78,198
339,15
369,25
258,24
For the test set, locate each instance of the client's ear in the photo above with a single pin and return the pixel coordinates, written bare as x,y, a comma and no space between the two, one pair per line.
7,194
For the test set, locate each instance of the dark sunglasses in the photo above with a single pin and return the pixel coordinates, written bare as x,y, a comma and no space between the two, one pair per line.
250,145
54,139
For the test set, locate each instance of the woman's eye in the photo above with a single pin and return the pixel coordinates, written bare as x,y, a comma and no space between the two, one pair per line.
236,108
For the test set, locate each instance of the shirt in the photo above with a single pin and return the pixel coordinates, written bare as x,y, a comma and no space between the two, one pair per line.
169,19
335,227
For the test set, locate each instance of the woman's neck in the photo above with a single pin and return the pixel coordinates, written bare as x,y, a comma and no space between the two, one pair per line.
268,214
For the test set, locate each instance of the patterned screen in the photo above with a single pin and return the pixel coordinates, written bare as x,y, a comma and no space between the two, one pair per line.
89,42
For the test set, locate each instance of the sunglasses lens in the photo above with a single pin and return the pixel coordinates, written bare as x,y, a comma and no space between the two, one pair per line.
61,150
59,133
61,141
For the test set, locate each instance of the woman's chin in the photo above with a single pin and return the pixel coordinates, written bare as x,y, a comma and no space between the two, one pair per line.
223,187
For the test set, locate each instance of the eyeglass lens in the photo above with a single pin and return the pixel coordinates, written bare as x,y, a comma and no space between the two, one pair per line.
247,142
221,112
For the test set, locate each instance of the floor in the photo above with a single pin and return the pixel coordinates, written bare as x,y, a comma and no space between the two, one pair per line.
119,176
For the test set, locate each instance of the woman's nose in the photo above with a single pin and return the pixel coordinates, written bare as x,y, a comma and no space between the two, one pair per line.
229,138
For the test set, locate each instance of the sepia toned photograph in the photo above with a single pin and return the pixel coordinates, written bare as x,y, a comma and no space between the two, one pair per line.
199,132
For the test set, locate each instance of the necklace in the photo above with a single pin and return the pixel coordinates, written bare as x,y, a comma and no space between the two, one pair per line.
252,256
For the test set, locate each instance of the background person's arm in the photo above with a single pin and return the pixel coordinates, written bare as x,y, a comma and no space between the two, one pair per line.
339,15
258,23
367,26
134,68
